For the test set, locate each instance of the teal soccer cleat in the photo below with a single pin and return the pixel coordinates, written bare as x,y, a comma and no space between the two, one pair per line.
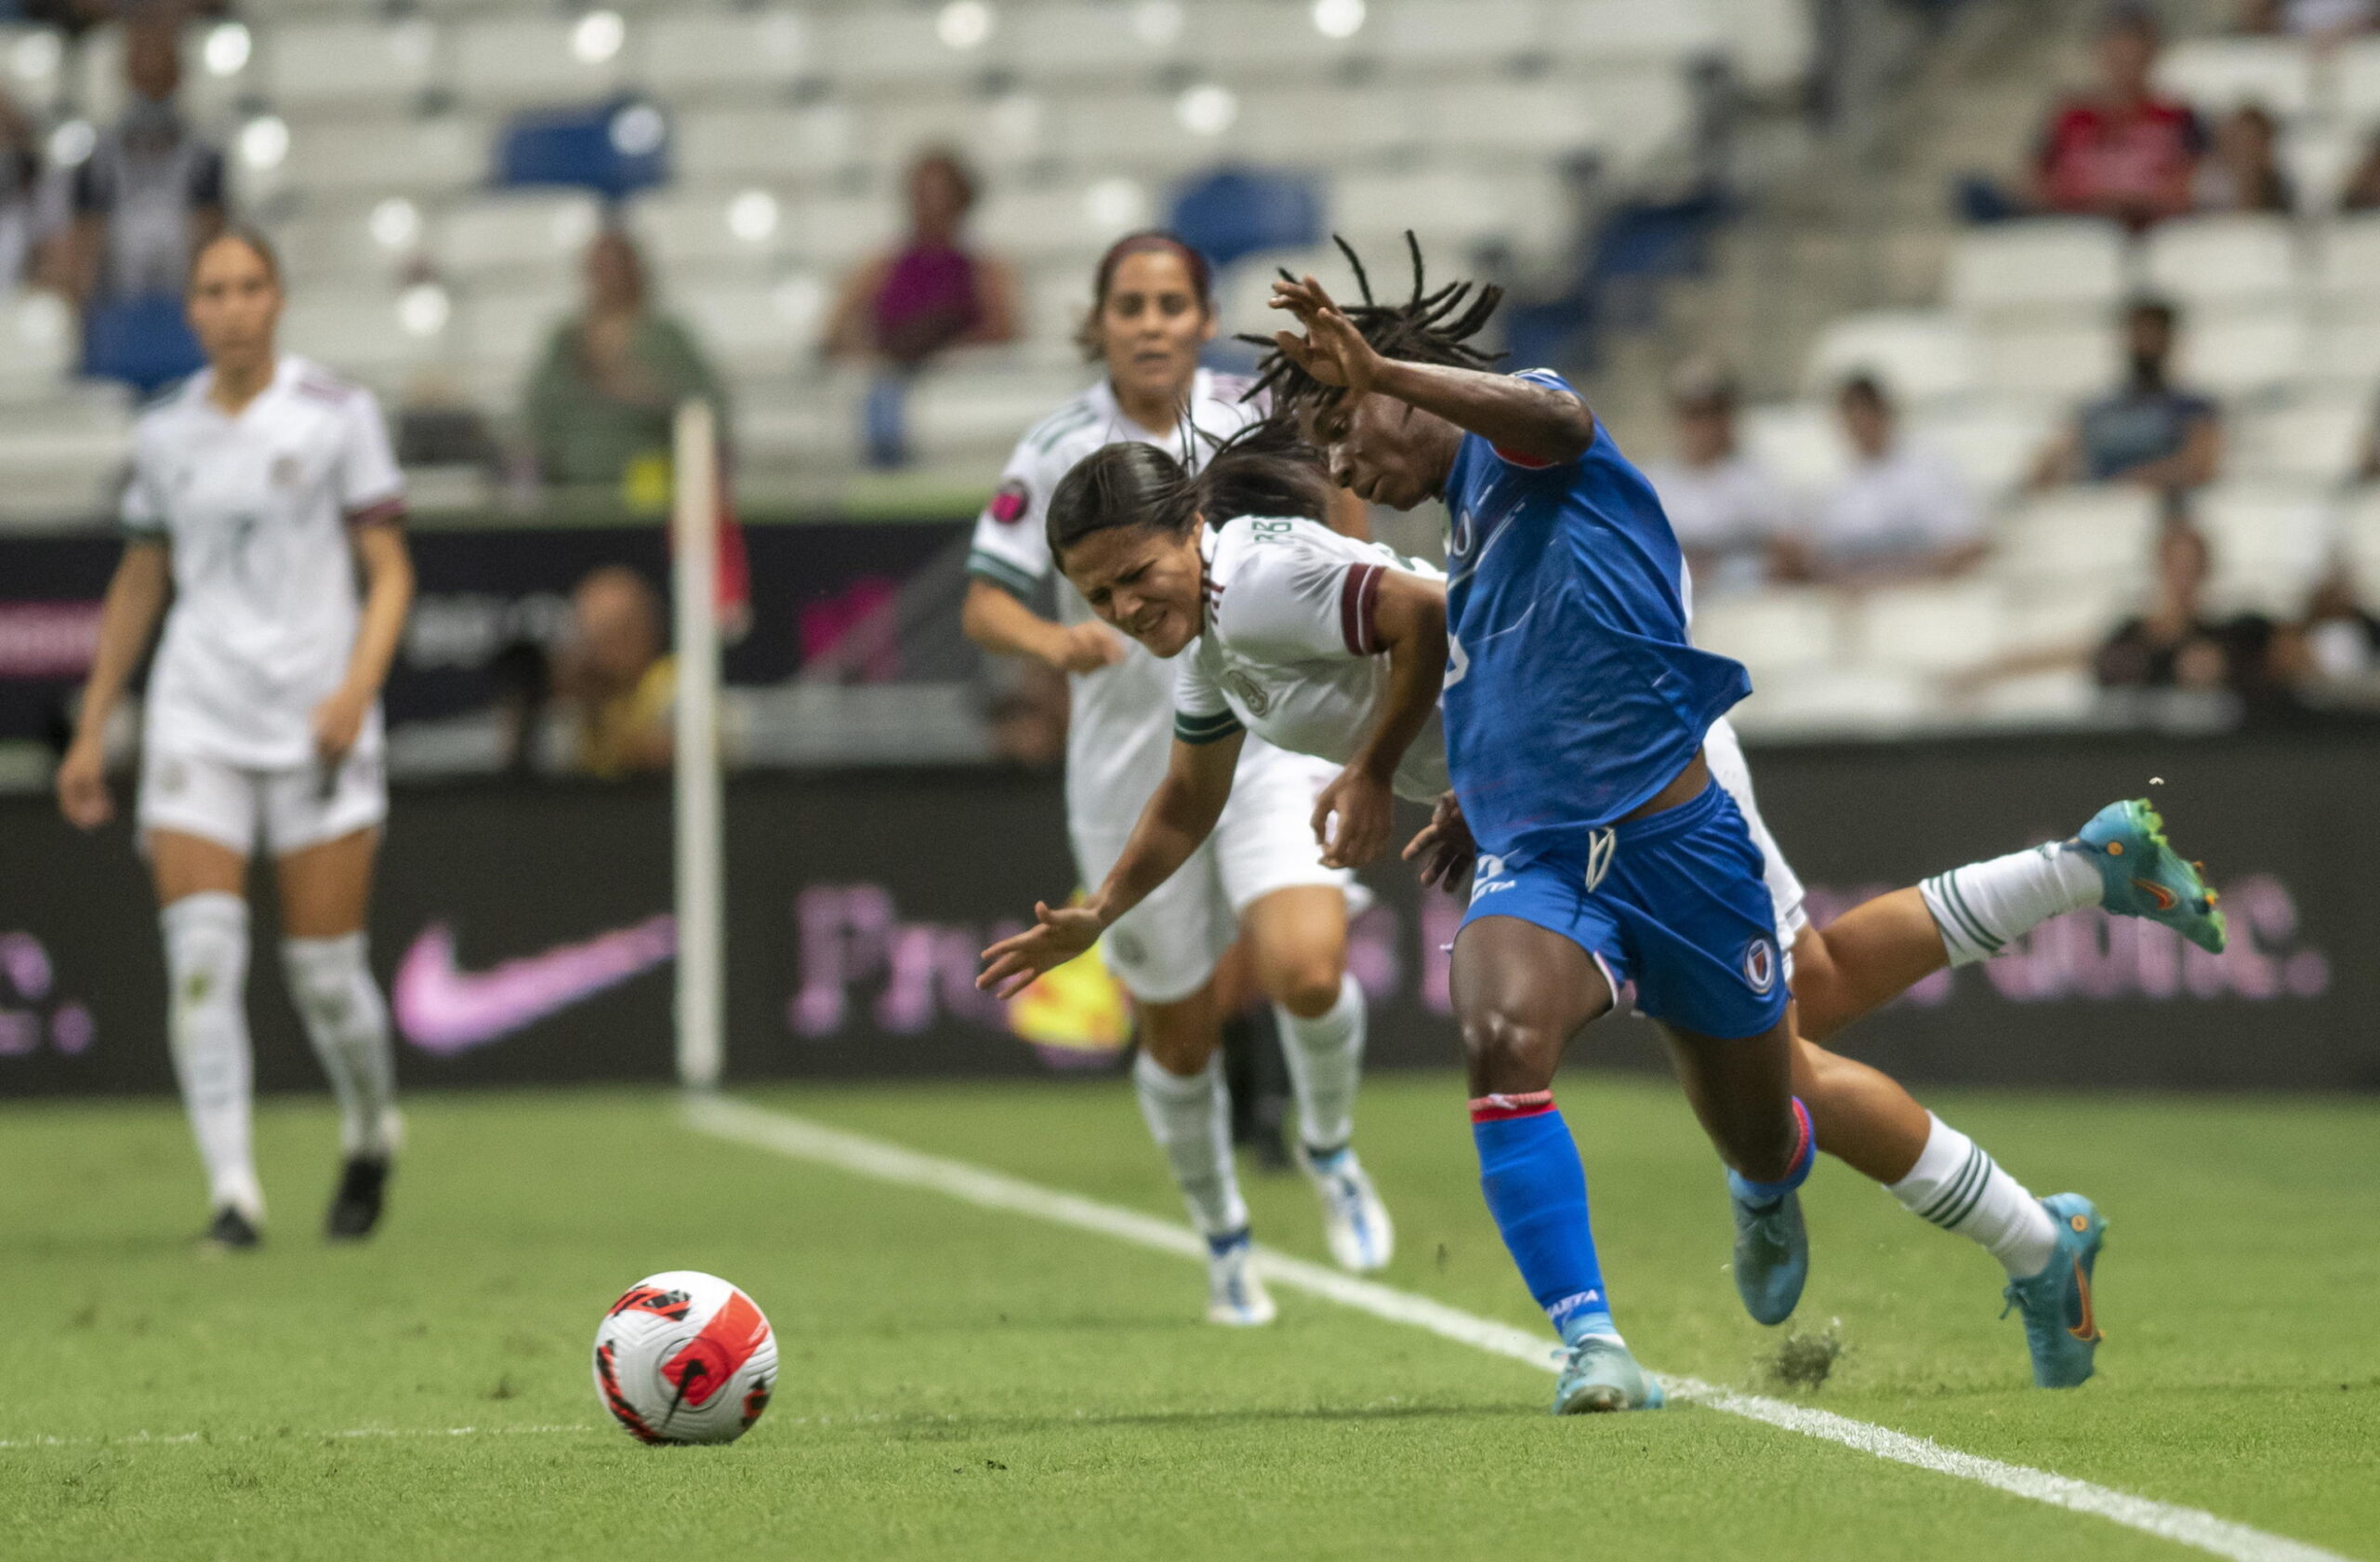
2060,1327
1772,1254
2143,877
1601,1375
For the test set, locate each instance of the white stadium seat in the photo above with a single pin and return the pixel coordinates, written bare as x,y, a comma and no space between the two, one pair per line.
533,231
1666,32
766,327
2347,344
809,142
2269,542
2063,698
513,62
1550,117
1245,39
997,134
2318,159
1076,42
32,65
342,64
2215,75
1931,628
1917,354
2236,353
2202,259
2079,534
1431,37
505,331
1451,213
367,157
2355,82
2348,257
1306,125
1992,441
688,226
2057,262
838,231
2359,539
364,333
1774,631
962,410
2317,437
38,344
1771,43
1054,222
1801,441
692,57
2064,361
1845,699
2073,613
1142,132
334,244
873,48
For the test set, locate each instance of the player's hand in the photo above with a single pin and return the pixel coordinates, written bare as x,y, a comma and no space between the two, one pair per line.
1362,803
1087,647
1013,964
1445,848
83,786
339,720
1333,350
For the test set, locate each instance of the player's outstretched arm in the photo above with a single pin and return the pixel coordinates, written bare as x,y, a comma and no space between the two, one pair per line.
1180,816
1409,618
1001,624
1518,417
136,600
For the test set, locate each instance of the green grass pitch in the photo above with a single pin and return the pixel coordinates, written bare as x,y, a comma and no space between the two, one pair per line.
962,1384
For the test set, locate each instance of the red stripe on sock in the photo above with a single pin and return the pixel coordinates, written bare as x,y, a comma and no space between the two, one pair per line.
1802,1133
1503,1109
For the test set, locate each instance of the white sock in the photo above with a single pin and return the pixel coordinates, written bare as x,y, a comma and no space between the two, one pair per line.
1981,906
207,1023
1326,1058
330,980
1190,1119
1959,1188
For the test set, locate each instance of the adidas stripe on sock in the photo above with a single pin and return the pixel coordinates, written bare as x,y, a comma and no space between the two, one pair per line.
1959,1187
1981,906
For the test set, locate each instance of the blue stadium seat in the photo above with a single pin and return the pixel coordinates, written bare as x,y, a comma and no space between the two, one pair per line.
1238,211
612,147
145,342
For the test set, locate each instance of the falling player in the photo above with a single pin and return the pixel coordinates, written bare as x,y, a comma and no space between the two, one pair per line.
1332,647
1261,878
257,487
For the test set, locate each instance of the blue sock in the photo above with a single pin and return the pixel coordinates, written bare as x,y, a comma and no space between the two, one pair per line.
1537,1190
1804,1156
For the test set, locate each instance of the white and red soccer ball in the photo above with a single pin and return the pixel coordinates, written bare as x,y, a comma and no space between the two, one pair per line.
685,1358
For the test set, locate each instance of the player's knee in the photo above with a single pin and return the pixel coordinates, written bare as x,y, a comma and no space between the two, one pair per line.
1507,1052
1308,987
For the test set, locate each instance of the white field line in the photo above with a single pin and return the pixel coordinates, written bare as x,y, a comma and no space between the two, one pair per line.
805,1140
131,1439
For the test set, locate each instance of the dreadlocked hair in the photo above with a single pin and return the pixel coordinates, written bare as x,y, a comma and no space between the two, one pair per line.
1262,469
1429,327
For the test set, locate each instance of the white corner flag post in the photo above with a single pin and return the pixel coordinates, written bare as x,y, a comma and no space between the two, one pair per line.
701,946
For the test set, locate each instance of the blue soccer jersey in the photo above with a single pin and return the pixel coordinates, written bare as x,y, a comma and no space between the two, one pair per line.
1572,696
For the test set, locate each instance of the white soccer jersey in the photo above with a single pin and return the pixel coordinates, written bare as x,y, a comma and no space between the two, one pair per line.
1120,732
1288,651
257,510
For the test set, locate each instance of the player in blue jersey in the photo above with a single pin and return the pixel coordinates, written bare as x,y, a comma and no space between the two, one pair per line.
1575,710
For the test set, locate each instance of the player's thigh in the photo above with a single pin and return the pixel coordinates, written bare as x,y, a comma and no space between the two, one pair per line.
183,864
1298,936
1521,989
1741,1090
327,888
1263,841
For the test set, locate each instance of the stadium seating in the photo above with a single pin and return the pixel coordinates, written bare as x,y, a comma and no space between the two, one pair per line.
341,66
1917,355
2065,263
2217,74
1929,629
2222,259
2270,542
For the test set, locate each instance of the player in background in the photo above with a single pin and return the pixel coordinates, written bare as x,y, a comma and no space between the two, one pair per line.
257,487
1261,878
1318,643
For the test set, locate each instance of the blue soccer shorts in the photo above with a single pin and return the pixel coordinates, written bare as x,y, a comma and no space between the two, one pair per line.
1679,907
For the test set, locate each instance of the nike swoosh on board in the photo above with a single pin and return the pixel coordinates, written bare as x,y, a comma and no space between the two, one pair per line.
443,1009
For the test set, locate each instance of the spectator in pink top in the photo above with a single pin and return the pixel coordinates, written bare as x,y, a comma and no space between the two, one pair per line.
2121,151
905,307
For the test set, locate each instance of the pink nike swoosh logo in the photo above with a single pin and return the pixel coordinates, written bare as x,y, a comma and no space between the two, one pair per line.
440,1008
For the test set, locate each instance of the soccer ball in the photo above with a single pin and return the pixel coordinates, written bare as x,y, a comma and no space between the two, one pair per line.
684,1358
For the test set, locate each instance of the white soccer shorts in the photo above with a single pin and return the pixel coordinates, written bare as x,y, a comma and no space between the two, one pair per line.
1165,949
1726,753
294,809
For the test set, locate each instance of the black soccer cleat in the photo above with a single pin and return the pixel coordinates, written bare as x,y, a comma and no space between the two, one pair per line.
232,1232
362,1185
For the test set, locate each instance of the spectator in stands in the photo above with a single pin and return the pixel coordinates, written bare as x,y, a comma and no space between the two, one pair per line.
151,190
612,671
906,307
2119,151
32,205
601,399
2177,643
1901,513
1729,511
2242,171
2335,642
2148,431
2362,191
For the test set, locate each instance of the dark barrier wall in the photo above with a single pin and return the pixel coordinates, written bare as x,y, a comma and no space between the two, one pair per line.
523,928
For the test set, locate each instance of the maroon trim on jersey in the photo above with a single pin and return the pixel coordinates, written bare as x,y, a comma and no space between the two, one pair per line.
329,390
1359,607
390,511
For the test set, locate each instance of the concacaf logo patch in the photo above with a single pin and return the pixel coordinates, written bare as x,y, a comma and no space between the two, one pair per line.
1010,502
1760,965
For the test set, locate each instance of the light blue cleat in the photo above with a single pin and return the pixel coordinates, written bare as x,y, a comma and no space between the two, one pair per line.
1354,1223
1236,1293
2060,1327
1601,1375
1772,1254
2142,875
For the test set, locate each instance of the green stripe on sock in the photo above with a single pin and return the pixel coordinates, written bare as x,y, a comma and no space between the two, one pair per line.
1980,934
1959,1184
1951,1222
